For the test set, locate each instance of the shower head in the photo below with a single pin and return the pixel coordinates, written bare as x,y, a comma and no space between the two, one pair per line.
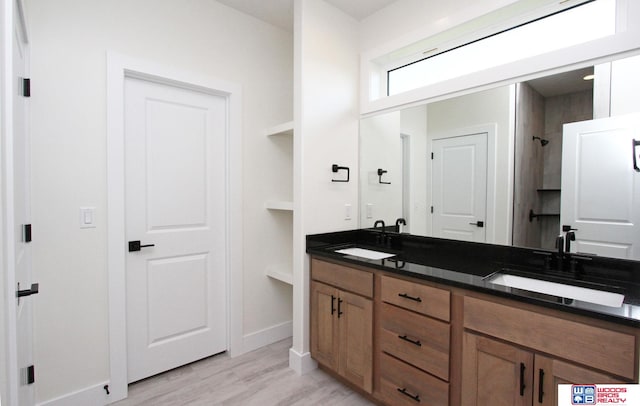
543,142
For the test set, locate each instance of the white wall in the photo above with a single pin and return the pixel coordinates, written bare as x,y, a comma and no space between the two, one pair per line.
625,86
326,133
381,147
488,107
69,44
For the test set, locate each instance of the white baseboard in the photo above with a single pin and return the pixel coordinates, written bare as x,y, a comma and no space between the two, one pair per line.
301,363
92,396
267,336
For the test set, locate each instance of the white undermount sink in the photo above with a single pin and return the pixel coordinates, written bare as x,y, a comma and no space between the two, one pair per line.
365,253
595,296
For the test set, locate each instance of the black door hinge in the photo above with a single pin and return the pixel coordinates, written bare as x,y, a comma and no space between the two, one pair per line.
28,375
26,232
432,155
431,209
26,87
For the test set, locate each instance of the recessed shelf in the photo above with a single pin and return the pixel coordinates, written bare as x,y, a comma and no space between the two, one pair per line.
280,129
280,274
279,205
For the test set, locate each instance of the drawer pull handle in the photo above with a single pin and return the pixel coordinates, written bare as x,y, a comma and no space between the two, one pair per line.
340,307
522,384
414,342
406,296
333,302
404,392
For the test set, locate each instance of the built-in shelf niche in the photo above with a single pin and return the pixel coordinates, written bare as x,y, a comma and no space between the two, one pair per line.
282,211
280,129
281,274
279,205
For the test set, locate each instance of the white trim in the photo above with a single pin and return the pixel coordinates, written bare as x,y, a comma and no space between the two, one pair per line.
301,363
119,67
267,336
8,235
511,165
491,130
90,396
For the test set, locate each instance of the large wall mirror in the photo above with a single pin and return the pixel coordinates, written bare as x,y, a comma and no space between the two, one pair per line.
488,166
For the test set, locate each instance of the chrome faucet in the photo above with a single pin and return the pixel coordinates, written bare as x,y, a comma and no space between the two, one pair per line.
398,222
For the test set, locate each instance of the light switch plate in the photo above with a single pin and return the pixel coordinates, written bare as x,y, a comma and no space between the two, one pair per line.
347,211
87,217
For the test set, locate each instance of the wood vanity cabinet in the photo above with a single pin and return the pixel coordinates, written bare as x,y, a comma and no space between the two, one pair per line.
497,371
437,345
342,321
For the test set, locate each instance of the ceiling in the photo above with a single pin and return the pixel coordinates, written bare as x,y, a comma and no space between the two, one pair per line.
280,12
563,83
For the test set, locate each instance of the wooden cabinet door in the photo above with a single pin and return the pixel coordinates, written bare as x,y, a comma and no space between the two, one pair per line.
324,325
549,373
495,374
355,315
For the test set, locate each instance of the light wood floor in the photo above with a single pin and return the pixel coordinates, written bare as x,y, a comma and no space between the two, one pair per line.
261,377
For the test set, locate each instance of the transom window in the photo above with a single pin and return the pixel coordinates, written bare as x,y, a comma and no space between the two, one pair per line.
576,25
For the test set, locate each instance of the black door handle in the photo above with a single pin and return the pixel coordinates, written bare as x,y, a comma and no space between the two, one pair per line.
135,245
635,156
27,292
478,223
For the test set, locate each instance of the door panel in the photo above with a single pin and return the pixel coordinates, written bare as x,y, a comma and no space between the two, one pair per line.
601,201
495,373
324,324
175,171
551,372
459,180
186,180
355,314
177,297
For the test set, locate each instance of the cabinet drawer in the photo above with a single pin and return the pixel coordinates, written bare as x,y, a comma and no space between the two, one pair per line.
415,339
343,277
604,349
402,384
423,299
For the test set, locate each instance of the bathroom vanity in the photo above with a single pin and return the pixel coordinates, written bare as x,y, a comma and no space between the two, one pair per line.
418,320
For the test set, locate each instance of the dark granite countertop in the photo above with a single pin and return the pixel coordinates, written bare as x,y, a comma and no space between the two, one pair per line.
470,265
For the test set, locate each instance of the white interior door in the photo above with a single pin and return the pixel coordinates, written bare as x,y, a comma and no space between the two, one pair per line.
459,184
22,213
175,182
600,188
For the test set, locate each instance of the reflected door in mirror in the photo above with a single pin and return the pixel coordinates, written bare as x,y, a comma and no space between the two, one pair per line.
600,188
460,187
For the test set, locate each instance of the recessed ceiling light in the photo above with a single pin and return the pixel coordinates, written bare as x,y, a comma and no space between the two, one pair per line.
589,77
